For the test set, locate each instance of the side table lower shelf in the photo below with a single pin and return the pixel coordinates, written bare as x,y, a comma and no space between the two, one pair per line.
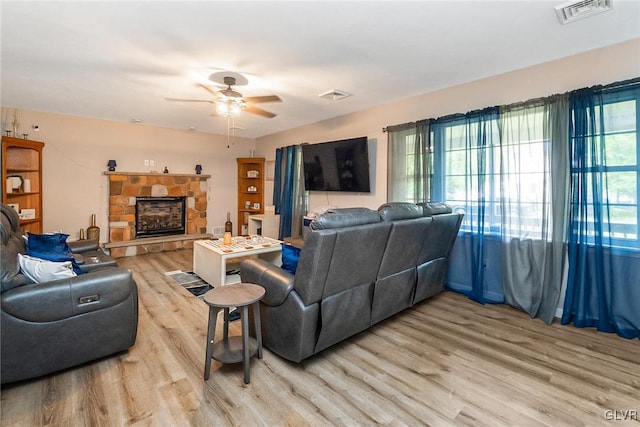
230,350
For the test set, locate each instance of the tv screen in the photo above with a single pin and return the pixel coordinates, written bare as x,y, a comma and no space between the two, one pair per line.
337,166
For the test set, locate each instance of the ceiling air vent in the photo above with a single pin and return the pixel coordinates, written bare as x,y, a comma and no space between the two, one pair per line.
335,94
574,10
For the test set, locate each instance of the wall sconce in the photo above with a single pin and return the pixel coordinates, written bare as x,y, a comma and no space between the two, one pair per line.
198,169
112,165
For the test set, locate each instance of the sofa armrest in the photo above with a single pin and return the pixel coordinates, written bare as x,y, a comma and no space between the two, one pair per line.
80,246
278,283
65,298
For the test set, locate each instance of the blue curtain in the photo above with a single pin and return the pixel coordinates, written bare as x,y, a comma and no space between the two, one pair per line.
603,288
277,181
477,133
285,188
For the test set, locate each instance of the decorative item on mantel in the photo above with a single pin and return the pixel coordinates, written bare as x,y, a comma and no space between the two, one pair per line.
15,123
198,169
112,165
166,170
93,231
81,236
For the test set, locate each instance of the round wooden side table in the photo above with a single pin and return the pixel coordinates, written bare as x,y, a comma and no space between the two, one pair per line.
238,348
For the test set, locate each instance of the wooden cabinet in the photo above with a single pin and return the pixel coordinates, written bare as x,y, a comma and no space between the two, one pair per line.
250,190
22,180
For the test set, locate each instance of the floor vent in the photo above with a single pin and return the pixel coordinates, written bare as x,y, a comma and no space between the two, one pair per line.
335,94
575,10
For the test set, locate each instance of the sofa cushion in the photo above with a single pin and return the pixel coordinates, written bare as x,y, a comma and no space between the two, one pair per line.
51,242
12,244
345,217
290,257
52,247
400,210
435,208
12,221
40,270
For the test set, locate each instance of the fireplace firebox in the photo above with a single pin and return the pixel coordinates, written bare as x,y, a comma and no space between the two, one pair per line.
160,216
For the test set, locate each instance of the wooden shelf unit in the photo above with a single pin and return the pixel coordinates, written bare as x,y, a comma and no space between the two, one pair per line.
245,165
23,158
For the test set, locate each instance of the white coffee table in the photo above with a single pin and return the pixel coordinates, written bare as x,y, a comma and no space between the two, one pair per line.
210,256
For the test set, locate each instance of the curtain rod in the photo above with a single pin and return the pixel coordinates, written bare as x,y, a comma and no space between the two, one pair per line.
611,86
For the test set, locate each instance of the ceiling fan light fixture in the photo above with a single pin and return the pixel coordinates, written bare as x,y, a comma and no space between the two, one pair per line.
231,107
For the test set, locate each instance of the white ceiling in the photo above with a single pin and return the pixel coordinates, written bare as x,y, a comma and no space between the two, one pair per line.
119,60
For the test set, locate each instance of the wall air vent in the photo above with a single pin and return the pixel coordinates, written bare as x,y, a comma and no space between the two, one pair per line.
574,10
335,94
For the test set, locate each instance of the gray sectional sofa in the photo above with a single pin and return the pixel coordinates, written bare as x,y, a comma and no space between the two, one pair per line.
53,325
357,267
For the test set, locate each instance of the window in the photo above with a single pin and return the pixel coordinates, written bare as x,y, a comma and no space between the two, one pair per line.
496,166
615,154
410,164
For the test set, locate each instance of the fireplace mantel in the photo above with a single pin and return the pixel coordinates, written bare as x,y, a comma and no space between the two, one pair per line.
189,175
124,187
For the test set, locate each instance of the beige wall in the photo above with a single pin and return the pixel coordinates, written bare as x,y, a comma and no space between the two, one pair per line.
77,150
602,66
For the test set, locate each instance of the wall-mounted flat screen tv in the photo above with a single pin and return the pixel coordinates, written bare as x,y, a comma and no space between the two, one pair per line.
341,165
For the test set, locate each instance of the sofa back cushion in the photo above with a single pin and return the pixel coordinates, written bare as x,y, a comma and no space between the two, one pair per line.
441,237
404,245
356,256
394,211
345,308
344,217
12,243
337,258
434,208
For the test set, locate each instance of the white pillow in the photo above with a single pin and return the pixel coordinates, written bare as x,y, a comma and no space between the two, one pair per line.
41,270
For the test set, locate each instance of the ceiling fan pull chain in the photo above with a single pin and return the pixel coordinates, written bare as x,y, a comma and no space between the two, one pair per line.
228,131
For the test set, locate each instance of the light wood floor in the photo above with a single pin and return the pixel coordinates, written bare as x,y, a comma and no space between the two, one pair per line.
447,361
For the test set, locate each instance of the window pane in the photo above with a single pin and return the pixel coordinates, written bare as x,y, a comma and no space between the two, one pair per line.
620,116
620,149
622,187
623,222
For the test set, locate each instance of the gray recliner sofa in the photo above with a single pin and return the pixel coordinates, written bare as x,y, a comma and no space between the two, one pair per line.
50,326
357,267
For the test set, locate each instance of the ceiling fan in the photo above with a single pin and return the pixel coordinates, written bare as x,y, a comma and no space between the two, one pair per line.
230,102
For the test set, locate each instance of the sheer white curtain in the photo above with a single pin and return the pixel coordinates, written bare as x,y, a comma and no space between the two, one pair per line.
409,162
300,196
533,203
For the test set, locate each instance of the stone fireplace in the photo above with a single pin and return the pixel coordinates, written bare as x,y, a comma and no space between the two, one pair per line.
164,227
159,216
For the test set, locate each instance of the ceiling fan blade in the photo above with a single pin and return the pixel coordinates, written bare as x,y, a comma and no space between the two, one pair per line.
189,100
259,99
259,111
208,89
